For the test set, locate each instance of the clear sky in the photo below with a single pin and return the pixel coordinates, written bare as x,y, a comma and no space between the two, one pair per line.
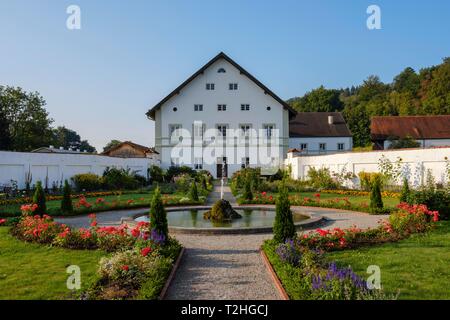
128,55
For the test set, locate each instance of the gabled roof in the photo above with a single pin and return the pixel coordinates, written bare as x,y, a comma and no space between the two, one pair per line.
151,113
58,150
417,127
315,124
134,145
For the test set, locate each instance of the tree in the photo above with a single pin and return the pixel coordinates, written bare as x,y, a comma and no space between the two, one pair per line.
283,227
403,143
320,99
437,100
66,203
407,81
405,194
5,138
193,194
376,202
156,174
67,138
158,218
247,195
111,145
39,199
28,121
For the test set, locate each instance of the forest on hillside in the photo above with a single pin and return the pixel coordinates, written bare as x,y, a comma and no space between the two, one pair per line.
426,92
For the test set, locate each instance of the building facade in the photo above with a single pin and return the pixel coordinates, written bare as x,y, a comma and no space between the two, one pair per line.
222,119
428,131
319,133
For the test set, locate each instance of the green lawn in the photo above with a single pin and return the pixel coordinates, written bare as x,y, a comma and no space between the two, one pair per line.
418,266
389,202
54,205
33,271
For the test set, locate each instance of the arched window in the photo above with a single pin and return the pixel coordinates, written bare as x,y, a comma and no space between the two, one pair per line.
221,70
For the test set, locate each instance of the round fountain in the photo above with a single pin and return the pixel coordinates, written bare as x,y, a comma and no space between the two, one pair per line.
223,218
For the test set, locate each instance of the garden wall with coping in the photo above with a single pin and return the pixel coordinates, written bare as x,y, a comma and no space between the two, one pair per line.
411,163
57,167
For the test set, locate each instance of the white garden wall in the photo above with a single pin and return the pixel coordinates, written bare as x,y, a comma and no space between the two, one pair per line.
414,163
57,167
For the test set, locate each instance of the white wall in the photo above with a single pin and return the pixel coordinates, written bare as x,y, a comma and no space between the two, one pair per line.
414,164
58,167
195,93
313,143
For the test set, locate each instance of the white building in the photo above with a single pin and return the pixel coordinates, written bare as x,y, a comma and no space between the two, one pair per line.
224,115
428,131
319,133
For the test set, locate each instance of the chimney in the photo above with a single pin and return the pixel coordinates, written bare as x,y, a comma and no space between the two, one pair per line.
330,120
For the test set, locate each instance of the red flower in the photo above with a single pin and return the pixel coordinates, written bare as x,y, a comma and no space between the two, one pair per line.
135,232
2,221
146,251
317,195
94,223
125,268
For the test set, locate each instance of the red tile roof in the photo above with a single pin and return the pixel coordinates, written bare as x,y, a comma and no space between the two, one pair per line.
418,127
315,124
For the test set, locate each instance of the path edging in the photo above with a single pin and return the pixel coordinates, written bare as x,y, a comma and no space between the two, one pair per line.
169,280
281,291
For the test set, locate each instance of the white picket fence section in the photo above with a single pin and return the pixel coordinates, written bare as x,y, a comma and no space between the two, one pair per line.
414,164
54,168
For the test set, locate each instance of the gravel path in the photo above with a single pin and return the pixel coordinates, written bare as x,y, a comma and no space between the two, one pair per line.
227,266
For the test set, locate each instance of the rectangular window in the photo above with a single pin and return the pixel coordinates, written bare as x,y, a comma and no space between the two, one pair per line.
222,130
233,86
322,146
199,129
210,86
303,146
245,162
245,107
221,107
268,130
198,163
198,107
340,146
245,130
174,130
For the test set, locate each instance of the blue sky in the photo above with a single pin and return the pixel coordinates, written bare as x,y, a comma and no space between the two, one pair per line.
128,55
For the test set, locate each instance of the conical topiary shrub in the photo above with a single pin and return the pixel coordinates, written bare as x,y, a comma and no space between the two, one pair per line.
193,193
376,202
405,194
247,195
158,218
39,200
66,203
283,227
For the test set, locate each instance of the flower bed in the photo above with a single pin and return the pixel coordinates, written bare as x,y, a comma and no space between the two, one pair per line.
306,274
316,201
361,193
140,263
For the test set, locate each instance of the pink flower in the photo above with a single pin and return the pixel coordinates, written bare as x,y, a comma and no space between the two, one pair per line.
2,221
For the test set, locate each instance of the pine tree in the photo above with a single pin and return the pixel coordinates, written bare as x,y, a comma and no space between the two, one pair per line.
39,199
66,203
405,194
247,195
283,227
193,192
158,216
204,183
376,202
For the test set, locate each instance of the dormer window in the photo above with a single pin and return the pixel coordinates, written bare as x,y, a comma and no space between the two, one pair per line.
221,70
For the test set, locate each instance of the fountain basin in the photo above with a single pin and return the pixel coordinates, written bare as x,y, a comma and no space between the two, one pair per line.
254,220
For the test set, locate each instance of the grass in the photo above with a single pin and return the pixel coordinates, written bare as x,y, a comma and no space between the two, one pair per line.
55,205
32,271
388,202
417,267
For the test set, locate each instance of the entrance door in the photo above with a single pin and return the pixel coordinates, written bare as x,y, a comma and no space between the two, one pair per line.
222,168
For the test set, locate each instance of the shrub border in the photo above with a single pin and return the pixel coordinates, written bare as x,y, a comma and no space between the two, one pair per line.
273,275
169,280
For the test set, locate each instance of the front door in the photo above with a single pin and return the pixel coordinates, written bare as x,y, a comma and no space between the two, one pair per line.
222,168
